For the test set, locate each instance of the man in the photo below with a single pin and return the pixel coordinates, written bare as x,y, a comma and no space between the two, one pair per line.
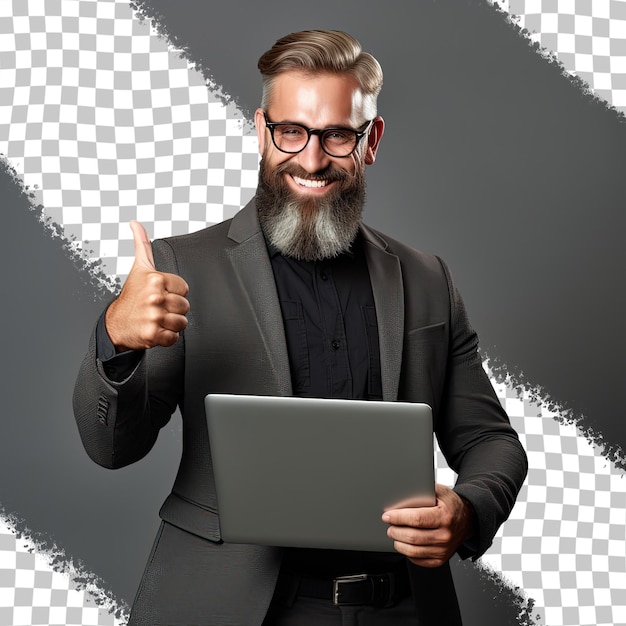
295,296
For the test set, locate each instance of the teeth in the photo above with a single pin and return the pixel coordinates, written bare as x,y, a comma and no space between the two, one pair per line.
305,182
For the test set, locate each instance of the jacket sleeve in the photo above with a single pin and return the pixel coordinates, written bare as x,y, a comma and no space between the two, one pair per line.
475,434
119,422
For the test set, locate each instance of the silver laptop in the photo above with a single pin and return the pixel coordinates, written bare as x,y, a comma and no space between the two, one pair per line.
317,473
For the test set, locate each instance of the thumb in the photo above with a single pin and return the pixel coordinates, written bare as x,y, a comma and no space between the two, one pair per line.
143,249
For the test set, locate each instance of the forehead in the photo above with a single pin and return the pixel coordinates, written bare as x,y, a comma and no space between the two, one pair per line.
316,100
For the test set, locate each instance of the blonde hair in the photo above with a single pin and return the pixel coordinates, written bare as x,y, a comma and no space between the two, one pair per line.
321,51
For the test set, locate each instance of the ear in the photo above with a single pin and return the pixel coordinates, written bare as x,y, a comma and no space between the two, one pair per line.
373,139
259,122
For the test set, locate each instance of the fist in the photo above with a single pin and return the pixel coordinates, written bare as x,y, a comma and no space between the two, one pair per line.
151,308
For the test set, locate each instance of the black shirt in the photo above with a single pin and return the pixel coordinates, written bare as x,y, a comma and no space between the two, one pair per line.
330,325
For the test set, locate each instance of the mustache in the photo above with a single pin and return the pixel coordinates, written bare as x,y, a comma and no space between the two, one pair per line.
329,173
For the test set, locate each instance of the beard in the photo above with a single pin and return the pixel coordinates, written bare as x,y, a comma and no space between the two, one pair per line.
308,227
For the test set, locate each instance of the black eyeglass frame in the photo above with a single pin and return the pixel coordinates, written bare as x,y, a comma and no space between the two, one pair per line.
358,134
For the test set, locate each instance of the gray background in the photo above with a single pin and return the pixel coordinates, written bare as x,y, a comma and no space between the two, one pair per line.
491,158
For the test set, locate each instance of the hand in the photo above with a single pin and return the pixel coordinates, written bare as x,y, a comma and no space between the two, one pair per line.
429,536
150,310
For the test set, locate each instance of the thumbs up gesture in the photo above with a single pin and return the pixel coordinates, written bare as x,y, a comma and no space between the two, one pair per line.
150,310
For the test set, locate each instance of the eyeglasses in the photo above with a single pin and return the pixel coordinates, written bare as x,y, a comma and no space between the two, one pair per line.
336,142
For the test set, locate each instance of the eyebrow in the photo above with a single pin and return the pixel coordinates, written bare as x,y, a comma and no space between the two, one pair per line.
330,126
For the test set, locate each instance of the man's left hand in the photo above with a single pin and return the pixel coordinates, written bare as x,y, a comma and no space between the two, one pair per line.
429,536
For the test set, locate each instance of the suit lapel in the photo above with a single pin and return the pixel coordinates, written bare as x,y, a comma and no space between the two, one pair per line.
252,266
386,278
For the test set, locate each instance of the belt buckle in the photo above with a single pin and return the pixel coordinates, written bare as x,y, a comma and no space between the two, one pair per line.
345,580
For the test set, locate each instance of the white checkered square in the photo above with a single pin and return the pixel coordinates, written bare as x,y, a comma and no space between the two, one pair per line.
588,38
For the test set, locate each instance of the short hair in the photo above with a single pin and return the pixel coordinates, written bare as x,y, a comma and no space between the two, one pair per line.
321,51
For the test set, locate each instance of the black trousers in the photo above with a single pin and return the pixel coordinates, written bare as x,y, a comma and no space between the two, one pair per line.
312,612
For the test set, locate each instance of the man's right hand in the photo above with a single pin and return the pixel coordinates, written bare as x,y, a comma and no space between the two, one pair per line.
150,310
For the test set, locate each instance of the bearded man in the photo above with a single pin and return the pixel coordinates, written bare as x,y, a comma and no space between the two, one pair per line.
295,296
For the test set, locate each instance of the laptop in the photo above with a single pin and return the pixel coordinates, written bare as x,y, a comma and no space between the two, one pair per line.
317,473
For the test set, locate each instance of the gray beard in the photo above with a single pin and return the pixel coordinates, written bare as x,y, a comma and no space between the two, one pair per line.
310,228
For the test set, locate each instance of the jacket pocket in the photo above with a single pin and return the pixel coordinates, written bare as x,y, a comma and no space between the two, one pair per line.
424,364
191,517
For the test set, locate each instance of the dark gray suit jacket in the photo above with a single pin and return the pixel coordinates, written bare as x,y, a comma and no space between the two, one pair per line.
235,343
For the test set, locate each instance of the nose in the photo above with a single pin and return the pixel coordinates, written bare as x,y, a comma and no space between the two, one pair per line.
313,158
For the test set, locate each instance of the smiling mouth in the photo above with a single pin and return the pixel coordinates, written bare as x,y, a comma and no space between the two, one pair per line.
310,183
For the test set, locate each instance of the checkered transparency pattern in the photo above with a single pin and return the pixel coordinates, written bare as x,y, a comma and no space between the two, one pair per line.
110,125
588,37
565,542
32,592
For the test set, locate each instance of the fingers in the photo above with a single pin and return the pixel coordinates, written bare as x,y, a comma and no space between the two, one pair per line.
159,329
167,332
145,259
170,314
435,556
429,536
424,517
161,283
165,318
427,516
143,249
427,547
176,304
174,284
420,537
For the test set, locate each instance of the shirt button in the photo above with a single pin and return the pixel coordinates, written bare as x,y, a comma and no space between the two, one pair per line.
323,276
335,343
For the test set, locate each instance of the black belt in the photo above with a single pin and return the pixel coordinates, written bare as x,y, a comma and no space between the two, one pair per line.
372,589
